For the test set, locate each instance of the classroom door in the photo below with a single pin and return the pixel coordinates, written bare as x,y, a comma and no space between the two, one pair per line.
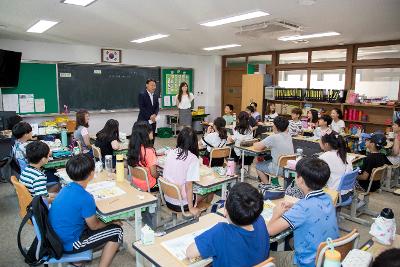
232,88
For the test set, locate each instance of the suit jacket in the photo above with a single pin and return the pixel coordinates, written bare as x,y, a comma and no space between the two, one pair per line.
145,106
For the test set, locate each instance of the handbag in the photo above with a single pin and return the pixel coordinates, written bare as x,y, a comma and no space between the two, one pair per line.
270,191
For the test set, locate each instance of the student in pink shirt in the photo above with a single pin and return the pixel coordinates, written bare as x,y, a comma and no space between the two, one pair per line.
141,153
182,167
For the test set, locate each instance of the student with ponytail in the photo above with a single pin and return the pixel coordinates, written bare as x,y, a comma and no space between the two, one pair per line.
336,156
215,137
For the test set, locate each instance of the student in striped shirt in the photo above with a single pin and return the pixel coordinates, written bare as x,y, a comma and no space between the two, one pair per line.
32,177
295,126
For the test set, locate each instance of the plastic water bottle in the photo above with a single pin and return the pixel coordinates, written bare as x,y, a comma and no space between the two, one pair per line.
332,256
64,138
299,154
120,168
108,163
234,119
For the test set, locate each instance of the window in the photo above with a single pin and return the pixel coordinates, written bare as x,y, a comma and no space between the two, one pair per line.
288,58
378,82
293,78
327,79
236,61
329,55
260,59
378,52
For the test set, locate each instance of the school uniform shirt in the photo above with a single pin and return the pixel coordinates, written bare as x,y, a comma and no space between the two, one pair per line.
228,119
34,180
280,144
313,220
79,134
319,132
271,116
186,101
68,212
295,127
105,145
252,121
373,160
150,159
19,152
238,138
214,140
337,126
256,116
180,172
337,167
231,245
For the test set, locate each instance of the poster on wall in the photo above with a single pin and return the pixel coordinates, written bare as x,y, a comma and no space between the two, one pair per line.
26,103
171,80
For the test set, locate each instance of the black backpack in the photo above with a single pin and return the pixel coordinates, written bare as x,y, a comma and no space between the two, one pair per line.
50,246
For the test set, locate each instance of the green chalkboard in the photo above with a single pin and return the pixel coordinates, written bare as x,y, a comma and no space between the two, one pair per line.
40,80
170,81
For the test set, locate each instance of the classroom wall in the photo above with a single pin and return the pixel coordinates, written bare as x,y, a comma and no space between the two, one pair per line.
207,73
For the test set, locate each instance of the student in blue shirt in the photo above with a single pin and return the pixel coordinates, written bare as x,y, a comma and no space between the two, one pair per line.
244,240
22,132
312,219
73,215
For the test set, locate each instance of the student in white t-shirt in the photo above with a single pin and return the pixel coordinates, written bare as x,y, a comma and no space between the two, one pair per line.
242,132
324,123
337,122
215,137
336,156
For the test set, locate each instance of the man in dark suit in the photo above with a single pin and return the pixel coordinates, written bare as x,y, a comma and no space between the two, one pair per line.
148,104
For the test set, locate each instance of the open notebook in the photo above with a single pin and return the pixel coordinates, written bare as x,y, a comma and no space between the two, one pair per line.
177,247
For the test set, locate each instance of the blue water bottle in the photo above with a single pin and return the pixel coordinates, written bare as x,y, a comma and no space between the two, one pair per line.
64,138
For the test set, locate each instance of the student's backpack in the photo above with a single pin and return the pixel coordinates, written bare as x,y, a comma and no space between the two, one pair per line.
50,245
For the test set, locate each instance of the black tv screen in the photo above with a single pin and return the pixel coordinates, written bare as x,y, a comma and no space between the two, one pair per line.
10,62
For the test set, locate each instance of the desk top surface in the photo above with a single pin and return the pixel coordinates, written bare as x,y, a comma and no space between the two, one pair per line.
378,248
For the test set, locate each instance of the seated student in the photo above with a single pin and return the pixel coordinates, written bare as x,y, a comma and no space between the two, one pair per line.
182,167
336,156
374,143
242,132
295,125
255,114
107,139
73,214
280,144
316,209
228,116
244,239
312,119
215,137
81,133
337,122
271,114
252,120
395,157
32,176
141,153
22,132
323,126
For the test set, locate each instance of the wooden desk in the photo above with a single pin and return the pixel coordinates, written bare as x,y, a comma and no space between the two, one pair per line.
208,178
159,256
378,248
253,152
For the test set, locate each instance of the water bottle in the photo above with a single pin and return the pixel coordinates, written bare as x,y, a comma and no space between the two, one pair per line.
120,168
234,120
230,167
108,163
332,256
299,154
64,138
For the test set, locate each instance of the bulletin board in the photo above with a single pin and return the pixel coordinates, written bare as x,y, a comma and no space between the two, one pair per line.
36,92
170,81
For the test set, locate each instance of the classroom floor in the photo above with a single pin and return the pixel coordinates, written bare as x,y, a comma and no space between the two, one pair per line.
10,221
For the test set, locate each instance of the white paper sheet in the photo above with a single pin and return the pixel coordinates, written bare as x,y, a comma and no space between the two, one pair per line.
10,102
26,103
104,190
167,101
40,105
173,100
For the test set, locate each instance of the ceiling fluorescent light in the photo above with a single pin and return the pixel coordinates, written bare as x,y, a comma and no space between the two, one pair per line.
150,38
220,47
42,26
78,2
251,15
307,36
